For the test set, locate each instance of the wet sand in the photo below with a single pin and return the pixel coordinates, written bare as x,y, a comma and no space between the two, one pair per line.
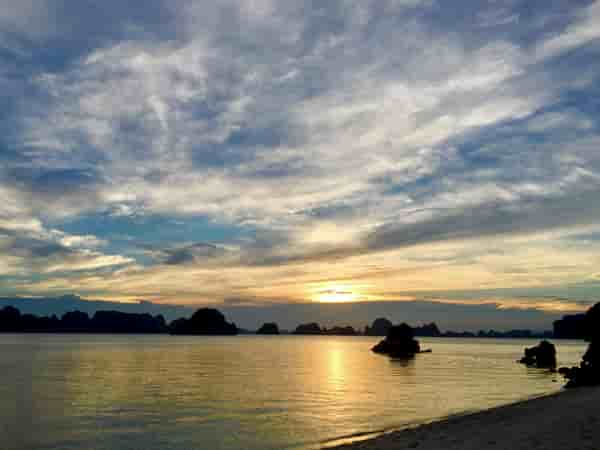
568,420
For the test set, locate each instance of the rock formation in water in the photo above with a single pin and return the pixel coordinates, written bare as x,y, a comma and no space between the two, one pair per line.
205,321
542,356
379,327
588,371
268,328
308,328
340,331
399,343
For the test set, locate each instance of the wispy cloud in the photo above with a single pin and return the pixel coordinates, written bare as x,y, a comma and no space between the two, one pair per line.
277,141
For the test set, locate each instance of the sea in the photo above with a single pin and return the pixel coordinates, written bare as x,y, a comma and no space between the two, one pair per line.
160,392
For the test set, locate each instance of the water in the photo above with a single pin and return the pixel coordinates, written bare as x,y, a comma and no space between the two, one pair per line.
247,392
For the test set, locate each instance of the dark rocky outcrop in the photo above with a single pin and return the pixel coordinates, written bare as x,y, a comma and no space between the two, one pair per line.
379,327
542,356
588,371
268,328
205,321
399,343
308,328
570,327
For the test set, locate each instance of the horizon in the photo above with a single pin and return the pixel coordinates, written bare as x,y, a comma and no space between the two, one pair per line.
427,156
471,318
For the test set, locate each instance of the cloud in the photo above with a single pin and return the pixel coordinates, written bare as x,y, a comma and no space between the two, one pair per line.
348,132
584,31
187,254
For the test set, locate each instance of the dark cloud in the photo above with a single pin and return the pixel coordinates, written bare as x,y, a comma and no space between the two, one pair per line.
196,253
491,219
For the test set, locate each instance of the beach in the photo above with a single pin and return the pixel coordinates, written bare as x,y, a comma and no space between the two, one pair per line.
567,420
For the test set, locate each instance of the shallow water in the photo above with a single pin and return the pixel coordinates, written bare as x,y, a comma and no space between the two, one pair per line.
246,392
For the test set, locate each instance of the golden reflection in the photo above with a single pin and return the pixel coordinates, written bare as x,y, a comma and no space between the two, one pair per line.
336,368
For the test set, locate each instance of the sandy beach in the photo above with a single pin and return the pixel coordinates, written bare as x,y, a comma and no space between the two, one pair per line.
568,420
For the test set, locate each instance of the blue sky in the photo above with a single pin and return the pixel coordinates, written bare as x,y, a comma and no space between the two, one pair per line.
194,152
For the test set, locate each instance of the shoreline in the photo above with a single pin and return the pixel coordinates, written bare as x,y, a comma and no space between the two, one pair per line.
564,420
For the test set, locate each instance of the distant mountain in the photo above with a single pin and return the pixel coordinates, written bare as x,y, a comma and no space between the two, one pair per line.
427,330
49,306
114,322
268,328
205,321
308,328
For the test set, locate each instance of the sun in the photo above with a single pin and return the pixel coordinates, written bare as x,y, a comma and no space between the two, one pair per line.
335,293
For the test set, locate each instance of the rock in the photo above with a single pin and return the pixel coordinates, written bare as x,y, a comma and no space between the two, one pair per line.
399,343
205,321
268,328
588,371
542,356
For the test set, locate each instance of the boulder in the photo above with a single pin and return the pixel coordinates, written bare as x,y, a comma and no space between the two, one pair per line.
542,356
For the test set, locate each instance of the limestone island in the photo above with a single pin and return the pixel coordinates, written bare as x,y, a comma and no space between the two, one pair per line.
399,343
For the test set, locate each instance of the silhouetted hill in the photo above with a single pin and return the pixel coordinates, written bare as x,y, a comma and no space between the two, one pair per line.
268,328
570,327
205,321
308,328
11,320
67,303
340,331
588,371
119,322
76,321
315,329
427,330
379,327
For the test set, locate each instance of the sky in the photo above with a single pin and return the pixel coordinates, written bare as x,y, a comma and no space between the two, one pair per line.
259,152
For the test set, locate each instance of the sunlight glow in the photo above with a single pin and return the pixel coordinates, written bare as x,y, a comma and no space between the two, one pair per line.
336,293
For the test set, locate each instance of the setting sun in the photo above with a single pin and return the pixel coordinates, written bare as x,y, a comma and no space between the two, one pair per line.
336,293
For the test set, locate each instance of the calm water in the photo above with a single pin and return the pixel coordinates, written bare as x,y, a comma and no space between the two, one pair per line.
248,392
